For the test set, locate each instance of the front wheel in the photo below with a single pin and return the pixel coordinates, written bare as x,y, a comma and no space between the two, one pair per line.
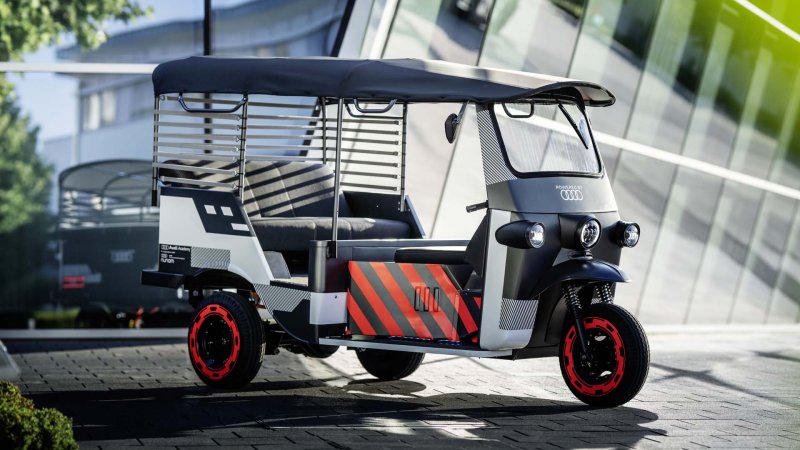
619,356
389,365
226,341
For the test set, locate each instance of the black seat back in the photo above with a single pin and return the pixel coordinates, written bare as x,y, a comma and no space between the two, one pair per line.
476,249
277,189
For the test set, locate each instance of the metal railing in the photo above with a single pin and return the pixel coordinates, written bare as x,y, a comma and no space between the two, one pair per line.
207,143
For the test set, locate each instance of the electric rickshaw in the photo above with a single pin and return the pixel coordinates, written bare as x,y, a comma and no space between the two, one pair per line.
285,216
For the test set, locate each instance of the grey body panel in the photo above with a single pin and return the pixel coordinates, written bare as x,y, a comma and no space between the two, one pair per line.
556,194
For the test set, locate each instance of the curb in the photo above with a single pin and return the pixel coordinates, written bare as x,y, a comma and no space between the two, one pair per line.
8,368
96,333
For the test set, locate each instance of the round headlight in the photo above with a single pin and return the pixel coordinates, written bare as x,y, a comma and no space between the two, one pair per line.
535,235
589,233
630,235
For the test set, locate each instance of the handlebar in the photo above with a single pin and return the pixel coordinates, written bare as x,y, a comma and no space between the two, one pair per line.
477,206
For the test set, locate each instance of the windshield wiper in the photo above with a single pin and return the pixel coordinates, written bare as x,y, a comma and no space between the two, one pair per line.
574,126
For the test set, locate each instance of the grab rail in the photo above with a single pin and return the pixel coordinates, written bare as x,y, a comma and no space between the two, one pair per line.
373,110
233,108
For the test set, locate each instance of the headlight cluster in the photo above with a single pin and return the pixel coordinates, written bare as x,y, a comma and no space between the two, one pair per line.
577,232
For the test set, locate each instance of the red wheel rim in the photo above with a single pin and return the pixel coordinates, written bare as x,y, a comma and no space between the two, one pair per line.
200,338
594,326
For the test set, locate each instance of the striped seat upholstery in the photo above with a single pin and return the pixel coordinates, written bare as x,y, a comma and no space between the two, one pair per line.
291,203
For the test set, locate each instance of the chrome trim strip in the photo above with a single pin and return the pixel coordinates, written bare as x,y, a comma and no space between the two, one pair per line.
415,348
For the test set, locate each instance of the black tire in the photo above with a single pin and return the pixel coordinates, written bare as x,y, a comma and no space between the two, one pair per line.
319,351
389,365
621,356
226,341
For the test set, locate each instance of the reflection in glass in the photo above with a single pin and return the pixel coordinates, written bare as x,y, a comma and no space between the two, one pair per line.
448,30
274,29
769,241
784,305
608,52
684,228
725,253
101,117
532,35
452,220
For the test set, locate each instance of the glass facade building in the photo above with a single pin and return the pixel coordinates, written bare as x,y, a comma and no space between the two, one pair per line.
709,80
702,145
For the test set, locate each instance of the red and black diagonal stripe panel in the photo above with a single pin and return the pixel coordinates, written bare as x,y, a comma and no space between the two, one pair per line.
441,318
412,300
434,275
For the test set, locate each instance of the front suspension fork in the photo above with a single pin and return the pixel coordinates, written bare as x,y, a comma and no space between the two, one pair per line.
574,305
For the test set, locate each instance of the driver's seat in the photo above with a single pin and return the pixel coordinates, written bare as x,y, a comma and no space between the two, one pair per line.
466,263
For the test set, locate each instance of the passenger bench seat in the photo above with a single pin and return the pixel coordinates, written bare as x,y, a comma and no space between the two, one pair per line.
291,203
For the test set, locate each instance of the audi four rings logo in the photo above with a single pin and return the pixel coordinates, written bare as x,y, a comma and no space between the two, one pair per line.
571,193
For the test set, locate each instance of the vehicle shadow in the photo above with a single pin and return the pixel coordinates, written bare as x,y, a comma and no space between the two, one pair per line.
312,406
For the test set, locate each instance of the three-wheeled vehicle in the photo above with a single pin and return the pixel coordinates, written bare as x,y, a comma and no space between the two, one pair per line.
284,214
106,229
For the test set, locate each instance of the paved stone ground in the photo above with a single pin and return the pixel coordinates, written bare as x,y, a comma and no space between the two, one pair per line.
736,388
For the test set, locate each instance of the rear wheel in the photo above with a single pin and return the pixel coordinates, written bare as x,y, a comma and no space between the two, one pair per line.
389,365
319,351
226,341
619,356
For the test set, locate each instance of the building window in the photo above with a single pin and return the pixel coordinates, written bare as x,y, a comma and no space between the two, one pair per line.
108,106
91,112
99,109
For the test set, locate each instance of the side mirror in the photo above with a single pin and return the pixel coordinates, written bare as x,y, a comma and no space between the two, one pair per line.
450,127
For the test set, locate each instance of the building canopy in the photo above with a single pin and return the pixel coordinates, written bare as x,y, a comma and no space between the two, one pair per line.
127,180
406,80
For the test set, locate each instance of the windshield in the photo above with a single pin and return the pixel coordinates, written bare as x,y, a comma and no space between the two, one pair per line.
537,144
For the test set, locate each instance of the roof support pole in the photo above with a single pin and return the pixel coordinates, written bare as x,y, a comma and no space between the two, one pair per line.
242,149
324,115
337,180
156,119
207,50
402,206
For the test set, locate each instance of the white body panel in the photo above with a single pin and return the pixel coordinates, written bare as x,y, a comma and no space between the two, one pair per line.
328,308
492,336
181,225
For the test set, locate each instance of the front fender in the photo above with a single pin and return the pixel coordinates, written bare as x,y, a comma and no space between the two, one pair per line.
580,270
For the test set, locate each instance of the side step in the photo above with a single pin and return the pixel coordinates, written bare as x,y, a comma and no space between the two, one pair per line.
415,346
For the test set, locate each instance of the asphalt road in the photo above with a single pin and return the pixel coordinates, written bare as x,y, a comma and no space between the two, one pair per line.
706,388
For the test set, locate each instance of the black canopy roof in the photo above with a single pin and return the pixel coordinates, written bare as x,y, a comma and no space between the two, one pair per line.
411,80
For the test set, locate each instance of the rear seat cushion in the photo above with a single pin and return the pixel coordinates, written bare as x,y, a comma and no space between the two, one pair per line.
294,233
